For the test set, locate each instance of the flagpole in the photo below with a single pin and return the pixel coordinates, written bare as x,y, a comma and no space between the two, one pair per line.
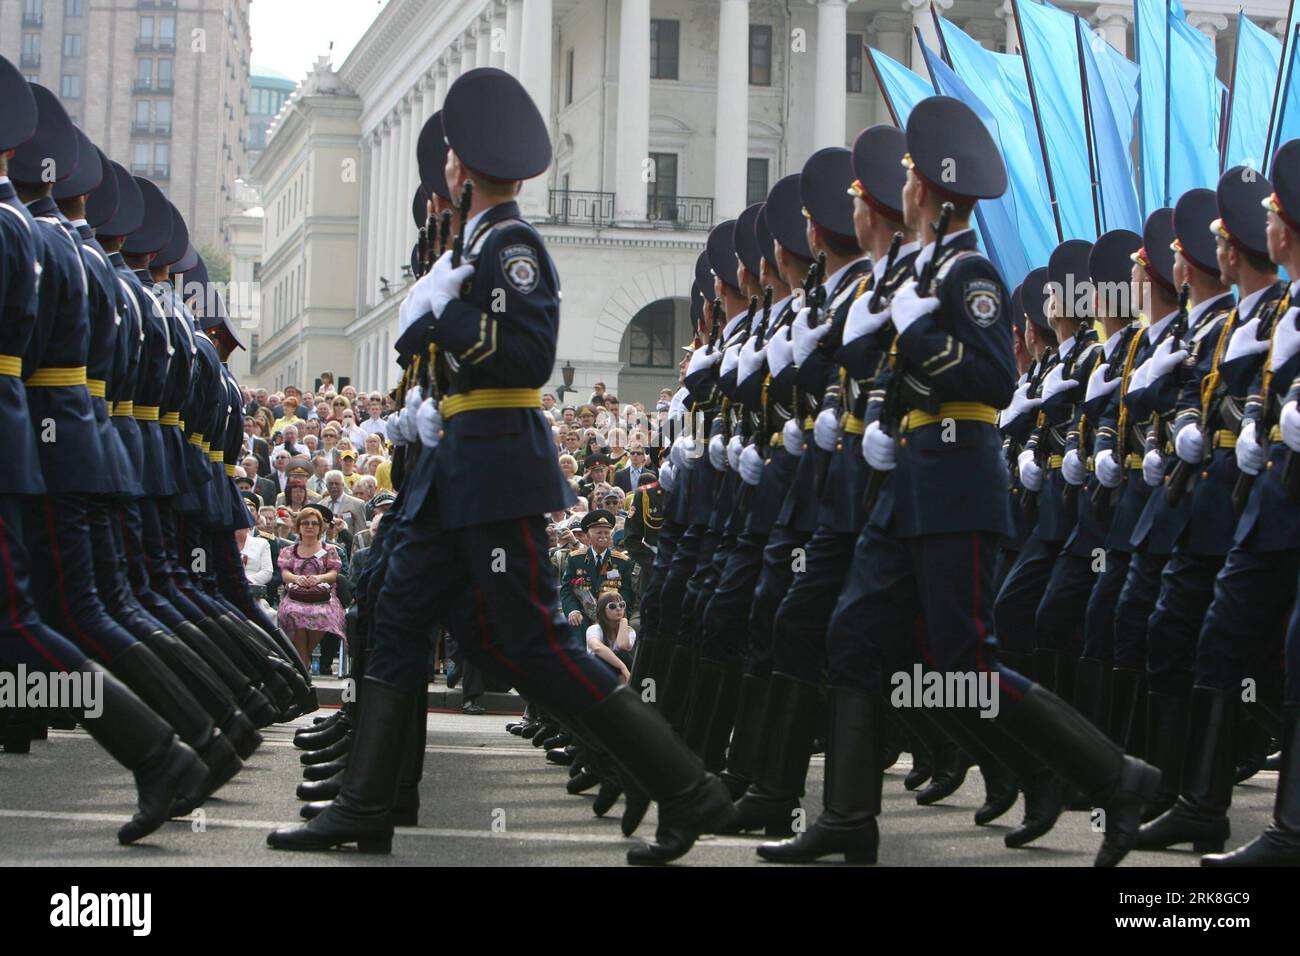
1038,120
1169,104
1232,90
1286,90
1277,89
938,31
1087,127
880,82
1141,121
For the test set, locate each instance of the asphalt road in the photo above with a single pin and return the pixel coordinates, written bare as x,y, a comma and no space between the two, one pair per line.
488,799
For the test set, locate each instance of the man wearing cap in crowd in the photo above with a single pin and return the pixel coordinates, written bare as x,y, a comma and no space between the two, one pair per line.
597,466
592,569
469,548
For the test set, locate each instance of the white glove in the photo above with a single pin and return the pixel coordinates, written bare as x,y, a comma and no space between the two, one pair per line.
439,286
1031,476
826,429
1056,382
703,358
1286,337
1250,455
683,453
907,306
429,423
1153,467
1189,444
396,431
1166,357
750,357
1098,386
1072,468
1140,378
751,465
1290,423
879,449
780,351
1245,341
730,357
862,321
734,448
1020,403
667,477
793,437
806,339
718,453
1109,472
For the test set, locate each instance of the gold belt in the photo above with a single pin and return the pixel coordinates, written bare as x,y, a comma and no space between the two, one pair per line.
170,418
55,377
1055,461
1275,433
957,411
97,386
146,413
124,409
196,439
11,365
481,398
777,440
808,423
1225,439
854,425
1133,462
230,471
216,456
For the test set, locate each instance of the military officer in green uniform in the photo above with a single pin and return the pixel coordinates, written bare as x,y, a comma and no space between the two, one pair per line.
592,570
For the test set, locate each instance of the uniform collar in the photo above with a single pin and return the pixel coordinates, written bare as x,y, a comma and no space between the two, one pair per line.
7,190
1246,307
44,206
1199,310
957,239
490,216
833,283
1156,329
905,250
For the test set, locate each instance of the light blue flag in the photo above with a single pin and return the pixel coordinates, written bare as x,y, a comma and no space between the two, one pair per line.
1112,104
901,88
997,218
998,81
1290,41
1052,61
1254,82
1288,122
1179,137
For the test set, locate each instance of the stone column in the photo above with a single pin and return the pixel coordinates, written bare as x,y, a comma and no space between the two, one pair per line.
514,35
429,84
731,147
483,41
453,58
439,84
922,20
633,143
1113,24
500,36
403,227
375,172
468,44
418,95
831,105
891,38
387,224
536,26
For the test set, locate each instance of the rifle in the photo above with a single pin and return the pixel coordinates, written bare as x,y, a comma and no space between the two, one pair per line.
422,249
893,413
444,231
429,368
757,431
1181,473
716,327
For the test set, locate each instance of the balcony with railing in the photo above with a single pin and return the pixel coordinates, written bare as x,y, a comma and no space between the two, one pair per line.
33,18
162,172
681,212
580,207
32,60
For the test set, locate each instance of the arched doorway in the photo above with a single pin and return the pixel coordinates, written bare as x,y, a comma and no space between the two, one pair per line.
651,348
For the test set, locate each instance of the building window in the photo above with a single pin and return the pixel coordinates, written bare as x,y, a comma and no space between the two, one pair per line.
661,192
663,49
144,72
74,8
167,32
760,55
140,158
853,63
141,114
162,157
568,78
32,12
162,116
651,336
72,44
31,49
70,89
164,73
146,28
755,181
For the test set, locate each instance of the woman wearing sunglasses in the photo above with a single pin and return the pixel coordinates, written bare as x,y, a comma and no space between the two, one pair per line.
611,637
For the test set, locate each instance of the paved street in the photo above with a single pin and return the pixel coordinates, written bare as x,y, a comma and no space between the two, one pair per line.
61,805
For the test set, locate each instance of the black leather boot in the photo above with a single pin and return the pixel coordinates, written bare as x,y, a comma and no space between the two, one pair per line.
362,814
1046,665
1166,738
333,752
691,801
772,800
1091,685
16,730
1070,745
1279,845
951,763
152,682
675,694
320,739
1252,742
1000,786
851,801
323,771
406,807
1126,710
923,737
1200,814
722,716
745,755
166,770
319,724
705,687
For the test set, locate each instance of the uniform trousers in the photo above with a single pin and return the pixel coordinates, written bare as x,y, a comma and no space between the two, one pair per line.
492,585
24,638
799,628
1059,623
726,614
1186,590
708,568
1099,620
782,554
654,583
672,596
1137,599
1016,607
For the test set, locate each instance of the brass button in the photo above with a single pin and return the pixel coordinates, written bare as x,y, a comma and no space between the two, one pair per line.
1269,465
1205,474
902,443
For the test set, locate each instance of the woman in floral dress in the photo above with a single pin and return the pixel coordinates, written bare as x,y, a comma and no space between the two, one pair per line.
310,565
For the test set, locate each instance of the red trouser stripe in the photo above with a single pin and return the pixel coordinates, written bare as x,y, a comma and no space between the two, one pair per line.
11,595
61,581
485,629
